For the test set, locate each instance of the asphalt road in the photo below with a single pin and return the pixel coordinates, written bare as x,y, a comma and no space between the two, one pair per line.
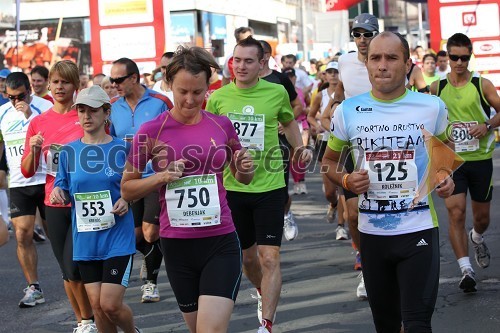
318,293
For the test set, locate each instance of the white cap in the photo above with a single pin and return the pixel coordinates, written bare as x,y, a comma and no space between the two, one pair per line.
332,64
94,97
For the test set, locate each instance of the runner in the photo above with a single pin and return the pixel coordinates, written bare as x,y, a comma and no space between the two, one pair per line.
255,107
3,76
320,103
400,248
138,104
161,86
26,195
442,64
429,69
40,82
227,70
46,135
469,97
189,148
103,227
354,81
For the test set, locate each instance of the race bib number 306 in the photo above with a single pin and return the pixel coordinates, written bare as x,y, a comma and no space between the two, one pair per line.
462,139
250,129
393,174
93,211
193,201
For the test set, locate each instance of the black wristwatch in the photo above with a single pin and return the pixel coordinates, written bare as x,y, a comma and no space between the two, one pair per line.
488,126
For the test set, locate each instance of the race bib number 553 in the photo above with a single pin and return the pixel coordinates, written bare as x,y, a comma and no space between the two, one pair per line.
93,211
393,174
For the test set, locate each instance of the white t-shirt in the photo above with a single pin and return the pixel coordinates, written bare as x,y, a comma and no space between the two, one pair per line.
303,80
442,74
169,94
354,75
14,125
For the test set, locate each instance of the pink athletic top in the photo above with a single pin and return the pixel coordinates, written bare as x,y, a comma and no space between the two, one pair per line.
55,128
207,146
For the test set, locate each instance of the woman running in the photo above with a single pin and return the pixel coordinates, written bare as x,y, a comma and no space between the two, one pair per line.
190,148
89,175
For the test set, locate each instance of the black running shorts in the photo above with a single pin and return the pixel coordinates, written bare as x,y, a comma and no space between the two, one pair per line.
115,270
25,200
477,177
147,209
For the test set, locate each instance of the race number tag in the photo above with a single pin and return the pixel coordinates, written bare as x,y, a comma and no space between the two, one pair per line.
250,129
93,211
462,139
393,174
193,201
53,159
15,150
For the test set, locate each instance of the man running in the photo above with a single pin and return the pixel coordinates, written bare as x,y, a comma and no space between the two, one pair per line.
469,97
400,253
26,194
40,82
255,107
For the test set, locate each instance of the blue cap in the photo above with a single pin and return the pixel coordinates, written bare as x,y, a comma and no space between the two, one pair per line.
4,73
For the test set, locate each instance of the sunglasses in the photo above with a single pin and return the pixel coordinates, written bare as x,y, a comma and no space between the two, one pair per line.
464,58
368,34
19,97
331,71
120,80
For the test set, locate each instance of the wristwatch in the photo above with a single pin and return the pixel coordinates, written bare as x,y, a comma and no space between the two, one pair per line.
488,126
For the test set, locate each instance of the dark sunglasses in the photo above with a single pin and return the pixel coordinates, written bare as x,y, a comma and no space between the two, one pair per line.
19,97
331,71
367,34
464,58
120,80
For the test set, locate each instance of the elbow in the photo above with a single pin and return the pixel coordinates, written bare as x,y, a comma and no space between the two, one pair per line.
26,173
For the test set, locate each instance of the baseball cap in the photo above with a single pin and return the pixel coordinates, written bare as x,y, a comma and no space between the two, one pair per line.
4,73
94,97
332,64
365,21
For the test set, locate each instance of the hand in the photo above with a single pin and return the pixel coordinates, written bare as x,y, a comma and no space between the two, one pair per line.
23,107
445,187
478,131
358,181
120,207
58,197
36,142
302,154
174,171
280,129
243,161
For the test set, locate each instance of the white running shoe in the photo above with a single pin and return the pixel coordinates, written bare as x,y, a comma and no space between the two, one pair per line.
341,233
361,290
482,254
262,329
290,228
296,188
331,215
32,297
86,328
150,293
302,188
468,281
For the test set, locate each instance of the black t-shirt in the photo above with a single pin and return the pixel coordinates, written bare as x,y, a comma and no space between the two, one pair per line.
280,78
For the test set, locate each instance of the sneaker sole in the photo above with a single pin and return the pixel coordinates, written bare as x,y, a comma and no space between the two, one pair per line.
468,285
150,300
362,297
31,305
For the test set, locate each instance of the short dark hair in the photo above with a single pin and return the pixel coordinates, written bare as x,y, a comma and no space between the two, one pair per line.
404,44
291,56
241,30
429,55
193,60
266,46
442,53
41,70
249,42
168,55
130,66
459,40
16,80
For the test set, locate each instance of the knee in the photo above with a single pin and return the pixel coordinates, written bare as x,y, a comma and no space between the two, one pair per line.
24,237
457,214
151,232
111,309
331,194
269,260
250,259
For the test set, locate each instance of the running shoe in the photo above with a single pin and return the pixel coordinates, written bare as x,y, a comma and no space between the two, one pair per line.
143,272
38,234
296,188
150,293
303,188
262,329
482,253
290,229
468,281
357,263
86,328
331,215
32,297
361,290
341,233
